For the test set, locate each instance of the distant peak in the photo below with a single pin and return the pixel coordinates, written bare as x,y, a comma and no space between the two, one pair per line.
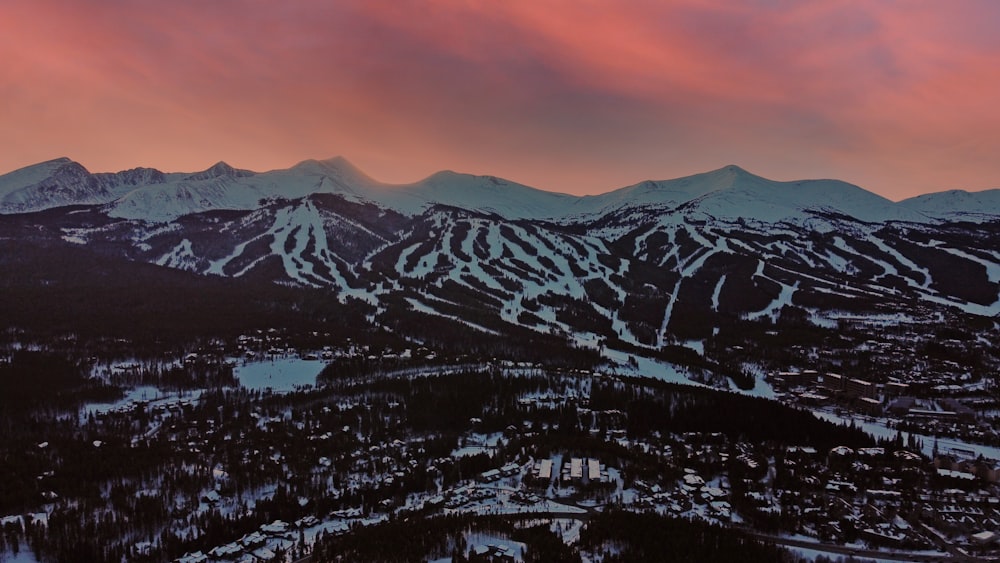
336,162
727,176
732,170
51,164
218,170
337,167
444,175
339,162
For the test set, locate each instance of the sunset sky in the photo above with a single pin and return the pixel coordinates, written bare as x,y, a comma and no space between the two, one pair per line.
580,96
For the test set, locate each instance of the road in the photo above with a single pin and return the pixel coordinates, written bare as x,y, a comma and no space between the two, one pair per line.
856,552
777,540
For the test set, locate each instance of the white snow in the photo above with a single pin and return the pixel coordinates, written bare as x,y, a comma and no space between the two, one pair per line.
424,308
182,256
136,394
783,299
812,554
280,374
727,194
902,260
717,291
992,268
29,175
957,205
24,555
646,367
878,429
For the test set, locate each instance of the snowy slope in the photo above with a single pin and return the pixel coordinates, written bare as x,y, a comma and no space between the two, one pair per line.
660,194
657,279
728,194
224,187
55,183
336,176
29,176
487,194
957,205
731,193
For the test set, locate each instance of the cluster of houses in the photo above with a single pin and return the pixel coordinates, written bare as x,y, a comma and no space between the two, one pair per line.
573,470
936,411
261,546
492,475
692,496
884,496
965,465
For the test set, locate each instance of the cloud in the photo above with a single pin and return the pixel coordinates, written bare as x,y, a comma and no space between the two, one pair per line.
571,95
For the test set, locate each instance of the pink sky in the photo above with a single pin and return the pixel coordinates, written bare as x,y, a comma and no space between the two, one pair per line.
581,96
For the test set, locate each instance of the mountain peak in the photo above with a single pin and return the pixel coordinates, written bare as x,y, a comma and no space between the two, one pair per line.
735,169
340,162
336,167
444,176
958,205
731,174
53,164
336,162
37,173
218,170
450,176
724,193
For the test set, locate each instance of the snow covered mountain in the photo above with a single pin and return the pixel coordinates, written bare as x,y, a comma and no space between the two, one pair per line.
61,182
648,265
729,193
957,205
150,195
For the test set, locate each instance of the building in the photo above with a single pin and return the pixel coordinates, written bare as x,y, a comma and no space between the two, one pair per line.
545,469
576,469
962,412
813,399
542,474
870,406
859,388
834,383
896,389
983,538
790,379
593,470
902,406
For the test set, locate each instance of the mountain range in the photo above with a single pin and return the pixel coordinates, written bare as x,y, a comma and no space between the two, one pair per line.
648,265
729,193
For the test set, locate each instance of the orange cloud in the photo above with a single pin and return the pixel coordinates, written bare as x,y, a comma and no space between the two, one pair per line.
579,96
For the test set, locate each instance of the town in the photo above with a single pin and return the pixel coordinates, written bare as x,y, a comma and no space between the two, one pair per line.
278,446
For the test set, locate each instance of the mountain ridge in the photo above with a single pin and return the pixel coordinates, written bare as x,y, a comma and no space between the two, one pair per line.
651,265
728,193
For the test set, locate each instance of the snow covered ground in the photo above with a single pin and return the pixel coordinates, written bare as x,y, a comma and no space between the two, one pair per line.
142,393
478,443
24,555
647,367
812,554
281,375
879,429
